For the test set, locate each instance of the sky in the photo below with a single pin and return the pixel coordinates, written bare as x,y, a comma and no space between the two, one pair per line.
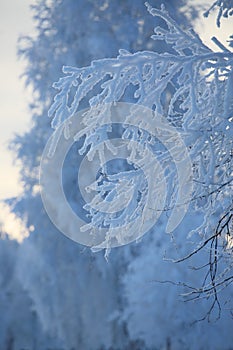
15,20
206,27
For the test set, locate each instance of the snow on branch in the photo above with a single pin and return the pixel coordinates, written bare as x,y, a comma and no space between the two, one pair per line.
188,84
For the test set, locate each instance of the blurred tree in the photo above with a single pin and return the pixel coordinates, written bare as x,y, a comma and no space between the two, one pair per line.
79,300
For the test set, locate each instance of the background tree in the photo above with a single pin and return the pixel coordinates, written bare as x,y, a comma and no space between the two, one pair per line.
78,299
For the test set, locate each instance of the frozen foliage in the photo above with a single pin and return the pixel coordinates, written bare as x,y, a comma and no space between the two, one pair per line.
193,87
72,291
70,297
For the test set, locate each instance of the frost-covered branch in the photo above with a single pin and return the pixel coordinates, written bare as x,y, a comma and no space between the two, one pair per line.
192,87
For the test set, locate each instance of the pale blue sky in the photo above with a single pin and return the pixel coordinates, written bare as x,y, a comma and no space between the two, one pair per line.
15,20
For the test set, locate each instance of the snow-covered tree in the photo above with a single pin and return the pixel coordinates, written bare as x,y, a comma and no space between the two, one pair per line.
79,299
71,288
181,83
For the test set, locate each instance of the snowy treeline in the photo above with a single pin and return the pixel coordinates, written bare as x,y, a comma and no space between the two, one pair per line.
57,294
